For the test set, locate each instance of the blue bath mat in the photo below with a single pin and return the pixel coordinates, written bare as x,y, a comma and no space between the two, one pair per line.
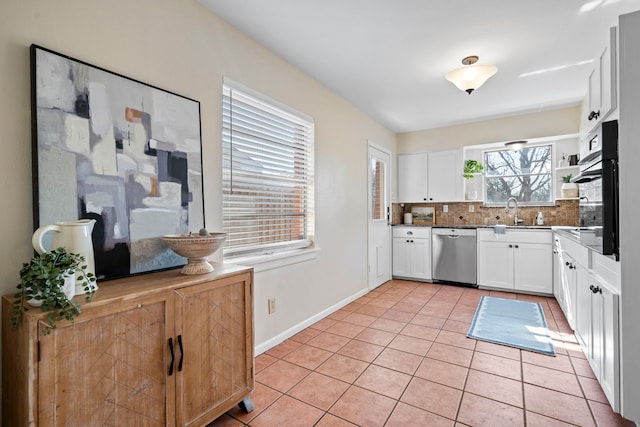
511,322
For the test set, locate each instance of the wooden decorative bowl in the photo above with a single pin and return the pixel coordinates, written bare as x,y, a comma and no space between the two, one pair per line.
196,249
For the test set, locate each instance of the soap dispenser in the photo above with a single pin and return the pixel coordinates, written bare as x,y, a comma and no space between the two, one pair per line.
540,218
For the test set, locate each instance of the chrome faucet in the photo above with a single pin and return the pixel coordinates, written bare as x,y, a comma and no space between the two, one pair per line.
516,221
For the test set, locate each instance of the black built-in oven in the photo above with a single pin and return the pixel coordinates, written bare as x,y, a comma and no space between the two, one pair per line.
598,184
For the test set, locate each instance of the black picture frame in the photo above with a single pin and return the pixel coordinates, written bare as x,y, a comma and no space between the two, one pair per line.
117,150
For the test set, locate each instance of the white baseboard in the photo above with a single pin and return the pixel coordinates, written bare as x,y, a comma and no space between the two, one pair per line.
272,342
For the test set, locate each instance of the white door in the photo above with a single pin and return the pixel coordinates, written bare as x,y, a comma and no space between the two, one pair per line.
379,212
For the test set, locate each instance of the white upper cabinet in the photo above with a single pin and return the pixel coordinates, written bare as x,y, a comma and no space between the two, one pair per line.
445,175
430,177
412,177
601,94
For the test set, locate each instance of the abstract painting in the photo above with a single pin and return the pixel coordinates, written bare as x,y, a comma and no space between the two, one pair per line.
122,152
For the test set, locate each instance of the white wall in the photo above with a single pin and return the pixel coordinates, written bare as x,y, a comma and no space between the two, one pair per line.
629,153
182,47
562,121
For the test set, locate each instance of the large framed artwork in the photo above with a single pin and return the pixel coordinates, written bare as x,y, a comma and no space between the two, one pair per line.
122,152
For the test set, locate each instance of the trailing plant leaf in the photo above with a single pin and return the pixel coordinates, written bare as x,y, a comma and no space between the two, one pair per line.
42,279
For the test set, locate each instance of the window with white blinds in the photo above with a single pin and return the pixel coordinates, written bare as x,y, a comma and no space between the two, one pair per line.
267,174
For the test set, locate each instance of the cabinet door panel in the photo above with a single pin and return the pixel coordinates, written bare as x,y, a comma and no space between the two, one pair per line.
532,268
214,321
412,178
558,285
495,265
610,355
420,250
107,370
568,278
445,176
583,309
401,257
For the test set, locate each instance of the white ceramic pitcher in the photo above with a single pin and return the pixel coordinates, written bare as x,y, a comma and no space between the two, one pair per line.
74,236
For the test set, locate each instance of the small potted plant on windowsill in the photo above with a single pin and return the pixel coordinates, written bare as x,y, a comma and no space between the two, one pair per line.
48,282
569,189
472,169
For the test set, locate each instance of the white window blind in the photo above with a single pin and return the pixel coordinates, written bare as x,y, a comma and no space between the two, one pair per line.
268,183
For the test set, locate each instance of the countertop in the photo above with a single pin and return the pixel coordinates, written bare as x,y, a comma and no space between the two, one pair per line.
518,227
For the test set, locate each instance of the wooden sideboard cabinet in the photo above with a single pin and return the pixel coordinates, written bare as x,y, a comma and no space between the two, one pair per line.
160,349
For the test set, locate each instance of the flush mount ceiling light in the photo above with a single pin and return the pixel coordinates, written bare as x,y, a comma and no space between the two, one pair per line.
470,77
515,145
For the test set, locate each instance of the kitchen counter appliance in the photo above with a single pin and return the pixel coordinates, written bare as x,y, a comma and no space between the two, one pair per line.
454,255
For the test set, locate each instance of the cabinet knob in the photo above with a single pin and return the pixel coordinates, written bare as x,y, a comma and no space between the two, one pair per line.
594,115
567,263
595,289
510,246
516,246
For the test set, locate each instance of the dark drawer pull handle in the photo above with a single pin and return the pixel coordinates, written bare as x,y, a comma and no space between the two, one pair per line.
181,353
173,357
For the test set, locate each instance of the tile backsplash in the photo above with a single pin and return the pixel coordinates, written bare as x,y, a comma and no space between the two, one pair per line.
565,212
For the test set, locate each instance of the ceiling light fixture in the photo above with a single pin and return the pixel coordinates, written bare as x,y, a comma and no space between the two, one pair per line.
471,77
515,145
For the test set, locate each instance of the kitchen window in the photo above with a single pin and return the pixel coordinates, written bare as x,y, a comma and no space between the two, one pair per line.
526,174
267,175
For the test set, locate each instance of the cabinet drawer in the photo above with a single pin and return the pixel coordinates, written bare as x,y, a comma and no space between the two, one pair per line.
515,236
575,250
412,232
607,269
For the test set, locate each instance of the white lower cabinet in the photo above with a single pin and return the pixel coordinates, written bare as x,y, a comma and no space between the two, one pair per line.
520,260
602,345
412,252
591,304
570,268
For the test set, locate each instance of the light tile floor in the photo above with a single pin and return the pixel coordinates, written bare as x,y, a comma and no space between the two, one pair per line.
399,356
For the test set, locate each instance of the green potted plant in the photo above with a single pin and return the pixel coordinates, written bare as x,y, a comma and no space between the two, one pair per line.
472,167
569,189
48,282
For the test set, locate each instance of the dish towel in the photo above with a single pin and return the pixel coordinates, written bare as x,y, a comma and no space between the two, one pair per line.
499,229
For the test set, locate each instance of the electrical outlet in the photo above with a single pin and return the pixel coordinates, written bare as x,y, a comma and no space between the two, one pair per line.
445,208
472,208
272,305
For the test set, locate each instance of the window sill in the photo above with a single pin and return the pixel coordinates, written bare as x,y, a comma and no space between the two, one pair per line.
275,260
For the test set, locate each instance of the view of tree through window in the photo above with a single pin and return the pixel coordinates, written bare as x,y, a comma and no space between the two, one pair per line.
525,174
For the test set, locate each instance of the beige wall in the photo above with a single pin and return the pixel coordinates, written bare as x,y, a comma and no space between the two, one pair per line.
527,126
182,47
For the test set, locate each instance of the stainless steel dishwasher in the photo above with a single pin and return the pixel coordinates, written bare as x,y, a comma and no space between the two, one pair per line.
454,255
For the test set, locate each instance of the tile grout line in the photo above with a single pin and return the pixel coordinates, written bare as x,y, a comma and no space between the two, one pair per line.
433,297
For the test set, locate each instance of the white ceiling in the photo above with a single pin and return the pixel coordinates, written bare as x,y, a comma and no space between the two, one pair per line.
389,57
